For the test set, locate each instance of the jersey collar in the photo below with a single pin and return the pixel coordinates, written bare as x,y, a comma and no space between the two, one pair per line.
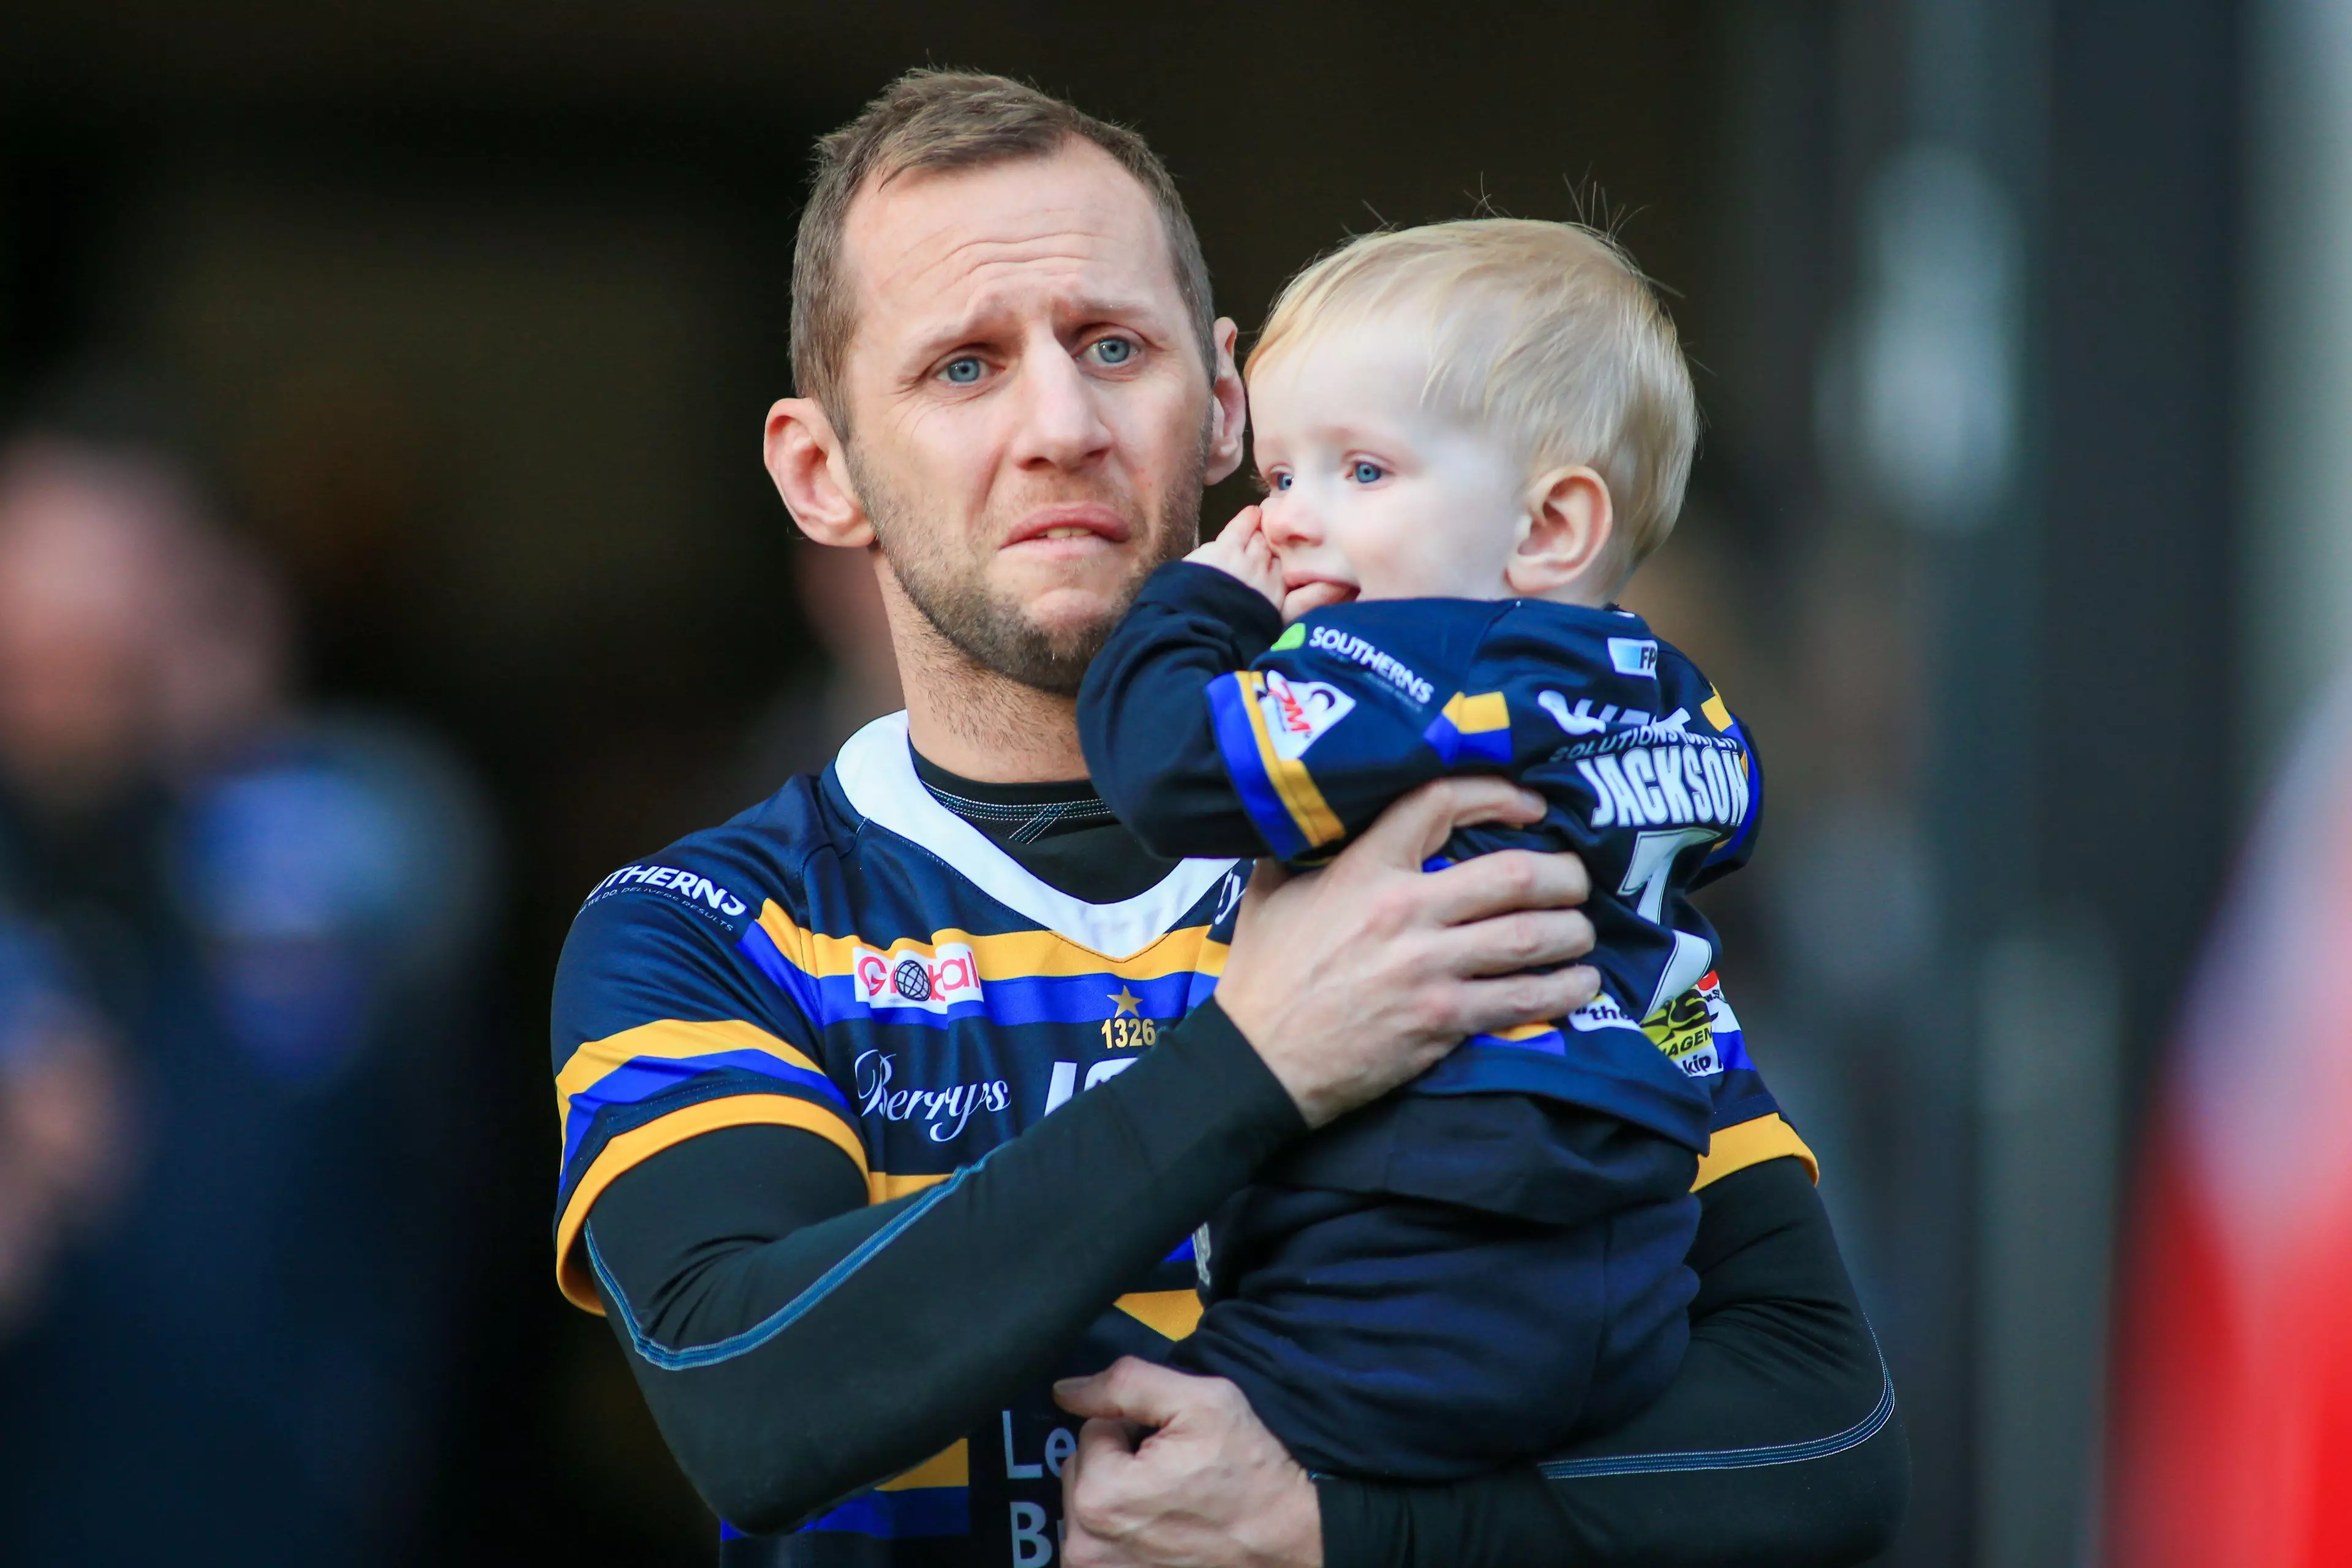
877,772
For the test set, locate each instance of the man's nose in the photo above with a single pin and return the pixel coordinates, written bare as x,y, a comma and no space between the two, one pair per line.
1062,423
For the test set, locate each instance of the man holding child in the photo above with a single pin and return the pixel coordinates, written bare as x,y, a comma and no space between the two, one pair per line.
901,1096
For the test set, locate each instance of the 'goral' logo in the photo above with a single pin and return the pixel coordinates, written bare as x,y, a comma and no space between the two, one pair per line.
1298,712
933,979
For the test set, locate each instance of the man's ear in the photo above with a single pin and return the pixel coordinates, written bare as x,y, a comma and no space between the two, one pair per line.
1570,522
811,473
1229,411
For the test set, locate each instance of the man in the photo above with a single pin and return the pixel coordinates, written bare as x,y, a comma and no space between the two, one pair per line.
898,1094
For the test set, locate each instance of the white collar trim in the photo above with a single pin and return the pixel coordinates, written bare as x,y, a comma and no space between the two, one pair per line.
876,770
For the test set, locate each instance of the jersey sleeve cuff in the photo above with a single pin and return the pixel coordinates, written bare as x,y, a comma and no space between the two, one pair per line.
1752,1142
1219,595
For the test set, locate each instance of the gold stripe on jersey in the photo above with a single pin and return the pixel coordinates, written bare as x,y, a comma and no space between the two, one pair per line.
1717,714
1010,956
666,1039
1175,1313
572,1276
950,1467
881,1186
1752,1143
1312,815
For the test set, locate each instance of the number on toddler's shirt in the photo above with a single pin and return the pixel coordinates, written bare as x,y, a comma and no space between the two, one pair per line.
1654,859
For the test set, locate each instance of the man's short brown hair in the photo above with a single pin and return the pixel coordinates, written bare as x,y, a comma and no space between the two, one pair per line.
933,121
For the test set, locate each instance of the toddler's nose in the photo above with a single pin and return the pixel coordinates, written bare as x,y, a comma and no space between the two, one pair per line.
1289,521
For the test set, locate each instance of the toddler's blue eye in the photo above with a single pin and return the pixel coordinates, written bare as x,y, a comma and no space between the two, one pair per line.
962,372
1282,481
1114,350
1368,473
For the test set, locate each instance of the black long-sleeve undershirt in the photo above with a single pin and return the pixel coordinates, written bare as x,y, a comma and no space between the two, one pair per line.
1783,1447
865,1339
1776,1444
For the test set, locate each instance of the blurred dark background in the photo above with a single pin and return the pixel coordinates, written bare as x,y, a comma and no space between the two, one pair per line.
459,323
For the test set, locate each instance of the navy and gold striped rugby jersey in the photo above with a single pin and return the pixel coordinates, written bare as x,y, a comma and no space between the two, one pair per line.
853,959
1646,774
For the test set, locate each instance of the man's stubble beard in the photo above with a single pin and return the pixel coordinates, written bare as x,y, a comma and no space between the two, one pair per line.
992,630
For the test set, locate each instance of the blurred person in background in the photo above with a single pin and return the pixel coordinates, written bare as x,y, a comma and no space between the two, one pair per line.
276,913
807,722
2231,1429
64,1119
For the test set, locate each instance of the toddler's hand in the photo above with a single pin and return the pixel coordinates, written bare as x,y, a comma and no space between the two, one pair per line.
1241,551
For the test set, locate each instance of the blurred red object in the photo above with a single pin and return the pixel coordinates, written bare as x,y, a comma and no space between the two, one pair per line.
2231,1427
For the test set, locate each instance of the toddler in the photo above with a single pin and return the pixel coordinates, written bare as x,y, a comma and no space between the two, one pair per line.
1471,434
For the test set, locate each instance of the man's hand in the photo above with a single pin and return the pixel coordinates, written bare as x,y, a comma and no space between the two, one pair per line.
1352,979
1210,1487
1241,551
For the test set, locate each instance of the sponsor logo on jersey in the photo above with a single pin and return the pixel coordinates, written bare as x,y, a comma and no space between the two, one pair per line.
933,979
686,887
1300,712
943,1111
1697,779
1634,655
1630,724
1684,1030
1230,892
1579,721
1350,647
1601,1013
1718,1009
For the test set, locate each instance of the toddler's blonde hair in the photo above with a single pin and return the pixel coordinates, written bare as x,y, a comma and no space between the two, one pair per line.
1545,333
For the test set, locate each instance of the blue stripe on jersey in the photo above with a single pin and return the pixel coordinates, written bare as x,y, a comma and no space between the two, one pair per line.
1032,999
1197,991
1551,1042
798,983
1237,742
895,1516
1452,745
1732,847
643,1076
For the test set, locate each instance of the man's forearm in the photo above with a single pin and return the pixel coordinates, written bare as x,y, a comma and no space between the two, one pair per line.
791,1358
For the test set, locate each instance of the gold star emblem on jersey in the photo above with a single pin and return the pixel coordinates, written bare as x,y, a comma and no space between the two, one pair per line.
1129,1002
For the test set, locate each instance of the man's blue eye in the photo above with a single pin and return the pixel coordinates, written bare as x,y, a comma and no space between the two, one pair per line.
1369,473
1114,350
962,372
